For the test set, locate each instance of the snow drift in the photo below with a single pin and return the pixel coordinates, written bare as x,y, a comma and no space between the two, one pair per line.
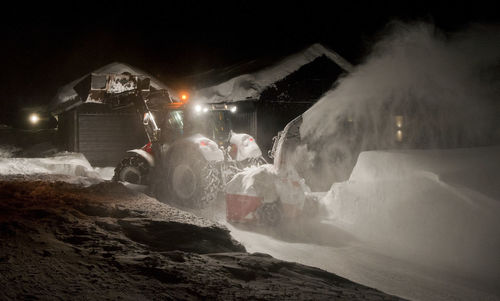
434,207
8,151
73,165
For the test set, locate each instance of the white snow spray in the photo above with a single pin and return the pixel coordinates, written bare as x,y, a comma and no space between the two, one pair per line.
419,88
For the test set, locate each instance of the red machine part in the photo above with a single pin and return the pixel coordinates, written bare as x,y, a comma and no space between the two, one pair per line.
233,151
147,148
239,207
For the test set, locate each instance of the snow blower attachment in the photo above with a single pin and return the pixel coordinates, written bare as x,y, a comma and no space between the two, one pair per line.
192,151
264,196
269,194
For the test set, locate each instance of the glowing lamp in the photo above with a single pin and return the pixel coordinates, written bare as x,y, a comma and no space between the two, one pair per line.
34,118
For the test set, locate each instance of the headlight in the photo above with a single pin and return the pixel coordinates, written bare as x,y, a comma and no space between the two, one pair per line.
200,109
233,109
34,118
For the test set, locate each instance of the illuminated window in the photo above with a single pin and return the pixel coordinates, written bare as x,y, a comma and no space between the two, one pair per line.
399,135
399,121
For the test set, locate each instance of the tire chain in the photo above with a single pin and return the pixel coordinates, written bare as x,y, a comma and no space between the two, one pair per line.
212,179
135,161
212,183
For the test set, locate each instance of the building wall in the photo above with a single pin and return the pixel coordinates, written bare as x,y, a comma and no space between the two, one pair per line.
102,136
66,131
245,118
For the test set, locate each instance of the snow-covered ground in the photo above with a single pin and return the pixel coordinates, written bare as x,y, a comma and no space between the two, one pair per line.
421,224
66,233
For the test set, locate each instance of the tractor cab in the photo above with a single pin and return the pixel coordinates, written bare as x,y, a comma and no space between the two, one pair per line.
211,120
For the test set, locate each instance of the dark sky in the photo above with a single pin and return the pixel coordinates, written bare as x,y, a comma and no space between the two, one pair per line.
46,46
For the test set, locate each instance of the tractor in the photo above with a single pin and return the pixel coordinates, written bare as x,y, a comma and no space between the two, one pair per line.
192,151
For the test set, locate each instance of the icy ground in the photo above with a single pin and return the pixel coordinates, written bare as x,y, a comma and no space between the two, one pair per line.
423,225
65,233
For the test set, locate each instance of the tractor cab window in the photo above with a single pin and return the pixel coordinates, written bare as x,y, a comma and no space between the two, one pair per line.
220,127
173,126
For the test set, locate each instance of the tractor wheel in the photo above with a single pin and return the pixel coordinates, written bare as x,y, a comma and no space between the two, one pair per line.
270,214
134,169
193,182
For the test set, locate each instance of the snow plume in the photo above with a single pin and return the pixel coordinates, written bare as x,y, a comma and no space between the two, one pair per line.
419,88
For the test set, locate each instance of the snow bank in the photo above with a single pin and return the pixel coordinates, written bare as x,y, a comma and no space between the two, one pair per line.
67,164
249,86
433,206
8,151
106,173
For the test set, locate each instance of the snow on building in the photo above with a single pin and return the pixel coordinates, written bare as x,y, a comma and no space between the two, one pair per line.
270,94
87,126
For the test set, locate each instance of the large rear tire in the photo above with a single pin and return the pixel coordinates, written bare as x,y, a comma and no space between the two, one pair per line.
191,181
134,169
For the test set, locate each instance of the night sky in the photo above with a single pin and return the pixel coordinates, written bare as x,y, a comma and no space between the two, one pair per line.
46,46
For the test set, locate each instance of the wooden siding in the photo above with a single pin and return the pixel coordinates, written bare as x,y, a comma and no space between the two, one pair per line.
245,122
105,138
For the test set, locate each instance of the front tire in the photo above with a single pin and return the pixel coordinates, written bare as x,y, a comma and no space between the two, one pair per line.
134,169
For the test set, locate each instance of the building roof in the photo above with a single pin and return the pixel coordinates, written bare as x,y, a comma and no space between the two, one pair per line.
246,86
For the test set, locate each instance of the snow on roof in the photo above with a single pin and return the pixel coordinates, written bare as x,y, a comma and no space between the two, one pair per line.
67,96
249,86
